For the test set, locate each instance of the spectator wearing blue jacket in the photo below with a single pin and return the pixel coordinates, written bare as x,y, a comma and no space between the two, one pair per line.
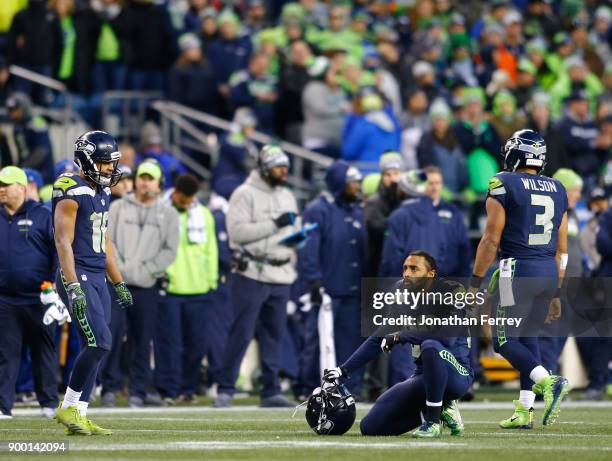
230,52
27,258
370,130
191,79
31,136
334,259
457,249
237,154
256,89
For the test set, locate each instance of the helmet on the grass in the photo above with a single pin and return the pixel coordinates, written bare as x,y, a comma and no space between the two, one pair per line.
331,409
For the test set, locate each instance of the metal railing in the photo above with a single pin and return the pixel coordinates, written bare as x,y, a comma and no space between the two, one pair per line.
124,112
182,127
65,116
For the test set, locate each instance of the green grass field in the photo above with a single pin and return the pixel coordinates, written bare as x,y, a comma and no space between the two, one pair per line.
583,432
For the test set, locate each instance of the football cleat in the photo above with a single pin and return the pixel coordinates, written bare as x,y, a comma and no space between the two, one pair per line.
428,430
73,420
93,427
553,389
451,418
522,418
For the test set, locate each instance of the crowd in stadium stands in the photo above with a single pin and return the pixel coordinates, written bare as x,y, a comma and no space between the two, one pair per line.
388,86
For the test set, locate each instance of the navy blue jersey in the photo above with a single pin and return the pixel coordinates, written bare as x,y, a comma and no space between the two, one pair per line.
89,245
534,206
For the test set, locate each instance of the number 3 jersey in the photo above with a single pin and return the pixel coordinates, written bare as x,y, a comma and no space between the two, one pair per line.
91,220
534,206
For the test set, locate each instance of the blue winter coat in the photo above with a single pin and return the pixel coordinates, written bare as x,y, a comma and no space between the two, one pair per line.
27,253
367,136
457,249
335,254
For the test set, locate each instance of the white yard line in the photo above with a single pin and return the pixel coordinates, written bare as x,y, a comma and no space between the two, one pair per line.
248,408
316,445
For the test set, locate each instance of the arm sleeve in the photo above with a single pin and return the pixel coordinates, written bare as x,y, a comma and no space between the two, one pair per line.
369,350
241,227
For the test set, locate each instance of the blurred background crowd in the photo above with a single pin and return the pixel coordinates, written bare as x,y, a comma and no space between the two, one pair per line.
387,86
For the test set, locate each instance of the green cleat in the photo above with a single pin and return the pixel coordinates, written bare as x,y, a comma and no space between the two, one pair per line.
553,388
521,419
451,418
427,430
72,419
94,429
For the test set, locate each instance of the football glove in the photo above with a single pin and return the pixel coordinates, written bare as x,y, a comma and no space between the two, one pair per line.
389,341
77,299
330,375
124,297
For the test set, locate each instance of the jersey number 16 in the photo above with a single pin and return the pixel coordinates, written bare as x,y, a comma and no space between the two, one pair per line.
98,235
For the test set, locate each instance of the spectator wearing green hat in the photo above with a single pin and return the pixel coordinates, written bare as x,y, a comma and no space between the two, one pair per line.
506,119
472,129
537,54
337,33
439,147
576,75
461,67
526,82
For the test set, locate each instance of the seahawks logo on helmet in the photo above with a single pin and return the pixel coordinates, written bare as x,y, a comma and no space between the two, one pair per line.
85,146
93,148
525,149
331,409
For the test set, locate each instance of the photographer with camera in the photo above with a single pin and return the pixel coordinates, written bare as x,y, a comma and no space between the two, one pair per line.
262,212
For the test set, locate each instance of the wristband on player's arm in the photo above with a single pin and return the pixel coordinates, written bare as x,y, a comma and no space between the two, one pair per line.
475,281
557,293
